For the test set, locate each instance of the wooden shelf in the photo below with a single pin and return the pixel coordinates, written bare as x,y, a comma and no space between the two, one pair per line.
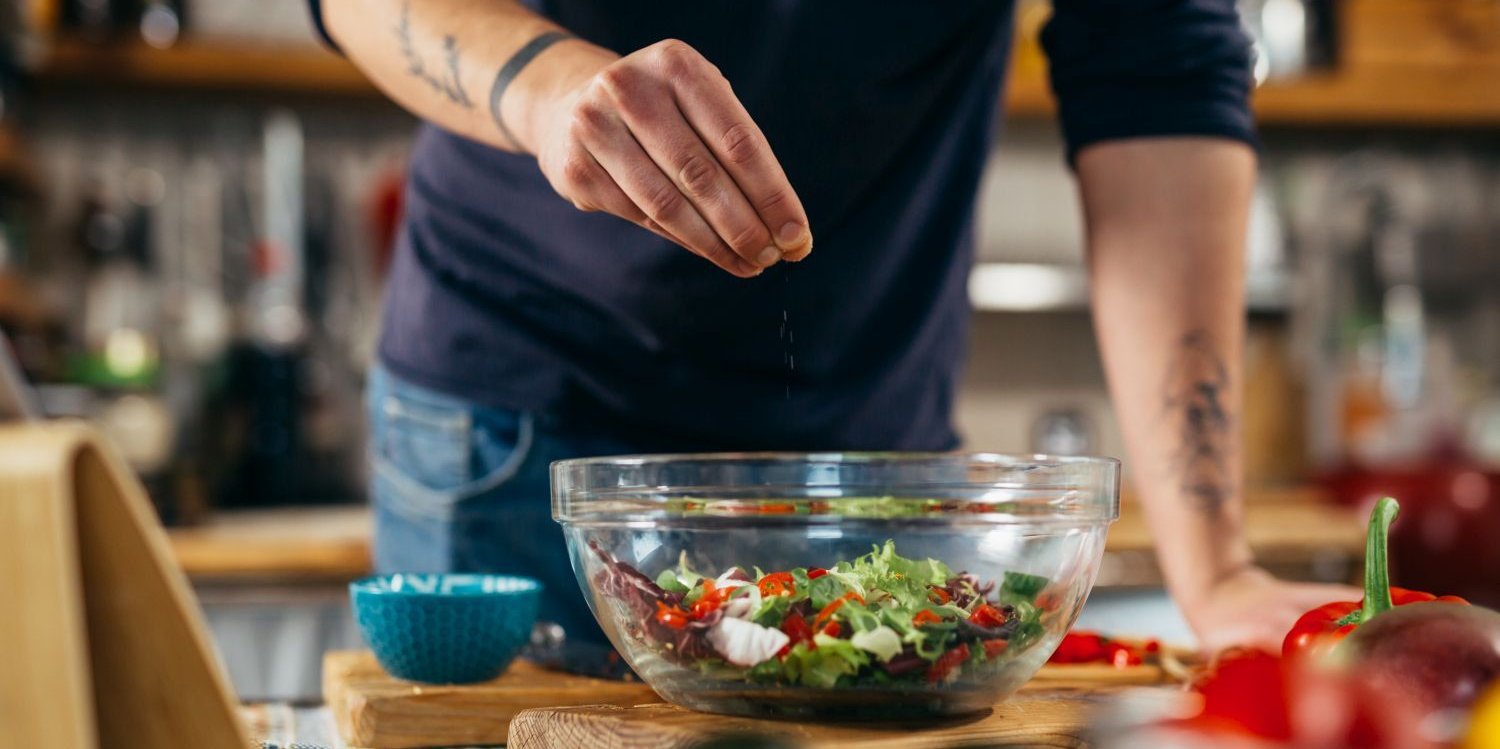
1402,63
1399,95
204,65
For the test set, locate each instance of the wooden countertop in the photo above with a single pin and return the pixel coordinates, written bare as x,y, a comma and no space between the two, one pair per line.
1286,527
282,545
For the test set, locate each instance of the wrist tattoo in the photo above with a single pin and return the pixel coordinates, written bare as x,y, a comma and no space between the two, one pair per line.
1194,401
513,68
446,81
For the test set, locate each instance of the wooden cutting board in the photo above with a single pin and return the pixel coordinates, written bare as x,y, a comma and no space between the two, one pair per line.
374,710
1036,717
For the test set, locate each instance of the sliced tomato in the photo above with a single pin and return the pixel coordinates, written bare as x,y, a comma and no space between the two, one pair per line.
816,573
995,647
778,584
671,616
987,616
833,629
947,663
925,616
797,630
778,508
940,595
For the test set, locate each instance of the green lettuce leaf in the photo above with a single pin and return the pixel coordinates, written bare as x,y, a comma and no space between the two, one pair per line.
1021,587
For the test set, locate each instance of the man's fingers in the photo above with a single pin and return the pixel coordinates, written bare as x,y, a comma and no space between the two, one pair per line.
712,109
592,189
647,108
657,197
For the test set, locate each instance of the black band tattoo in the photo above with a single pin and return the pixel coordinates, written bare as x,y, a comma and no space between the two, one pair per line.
513,68
446,81
1194,399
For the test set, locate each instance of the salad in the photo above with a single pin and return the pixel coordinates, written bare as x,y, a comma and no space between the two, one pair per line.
878,620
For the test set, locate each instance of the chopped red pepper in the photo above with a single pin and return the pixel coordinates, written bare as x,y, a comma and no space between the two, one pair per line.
925,616
816,573
946,663
778,583
1049,599
712,598
671,616
833,629
987,616
778,508
828,611
1092,647
994,648
1320,629
940,595
1121,656
1080,647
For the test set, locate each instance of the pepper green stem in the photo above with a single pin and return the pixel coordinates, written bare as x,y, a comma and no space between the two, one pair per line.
1377,568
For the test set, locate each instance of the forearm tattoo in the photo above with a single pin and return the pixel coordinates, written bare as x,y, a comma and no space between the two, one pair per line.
445,81
513,68
1195,400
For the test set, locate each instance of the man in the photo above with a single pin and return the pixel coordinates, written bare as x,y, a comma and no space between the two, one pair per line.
609,247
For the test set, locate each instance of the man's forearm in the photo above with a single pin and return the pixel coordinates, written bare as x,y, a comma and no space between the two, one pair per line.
1166,230
442,59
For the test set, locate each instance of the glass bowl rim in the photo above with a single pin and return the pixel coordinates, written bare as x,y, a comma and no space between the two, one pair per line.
572,491
983,457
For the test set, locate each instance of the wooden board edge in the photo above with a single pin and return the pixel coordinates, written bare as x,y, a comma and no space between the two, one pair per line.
29,473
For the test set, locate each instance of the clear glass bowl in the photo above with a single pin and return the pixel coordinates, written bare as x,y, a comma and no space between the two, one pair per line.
1021,537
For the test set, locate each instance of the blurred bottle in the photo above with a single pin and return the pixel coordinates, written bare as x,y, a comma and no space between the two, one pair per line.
1400,366
161,22
267,372
1291,37
120,358
158,23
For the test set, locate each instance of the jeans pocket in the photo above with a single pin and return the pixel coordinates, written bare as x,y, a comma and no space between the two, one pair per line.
431,452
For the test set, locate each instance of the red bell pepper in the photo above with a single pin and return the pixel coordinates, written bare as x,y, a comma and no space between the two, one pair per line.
987,616
1245,692
1319,630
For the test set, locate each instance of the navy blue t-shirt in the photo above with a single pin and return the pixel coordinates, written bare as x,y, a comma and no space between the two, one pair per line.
881,113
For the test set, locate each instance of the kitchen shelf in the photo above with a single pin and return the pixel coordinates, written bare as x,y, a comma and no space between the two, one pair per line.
1402,63
1040,287
1398,95
203,65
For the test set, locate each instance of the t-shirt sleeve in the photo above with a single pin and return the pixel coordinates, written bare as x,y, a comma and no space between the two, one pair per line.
1143,68
315,7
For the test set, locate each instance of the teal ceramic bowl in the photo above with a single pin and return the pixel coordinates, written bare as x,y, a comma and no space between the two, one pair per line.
445,628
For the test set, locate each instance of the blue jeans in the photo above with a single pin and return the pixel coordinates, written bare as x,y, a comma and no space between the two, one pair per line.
460,487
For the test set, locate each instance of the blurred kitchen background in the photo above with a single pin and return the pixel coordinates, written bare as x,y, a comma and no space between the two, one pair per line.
198,202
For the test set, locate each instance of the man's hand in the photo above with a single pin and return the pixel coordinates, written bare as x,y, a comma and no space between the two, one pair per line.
1253,608
659,139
